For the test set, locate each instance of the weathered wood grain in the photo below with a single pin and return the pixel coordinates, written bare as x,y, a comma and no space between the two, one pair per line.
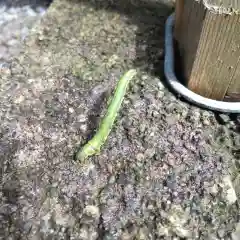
209,46
222,6
185,29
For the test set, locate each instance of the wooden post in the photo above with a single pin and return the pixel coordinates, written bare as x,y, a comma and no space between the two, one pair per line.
207,33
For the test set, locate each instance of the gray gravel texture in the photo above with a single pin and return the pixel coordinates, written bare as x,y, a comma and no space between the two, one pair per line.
15,23
169,170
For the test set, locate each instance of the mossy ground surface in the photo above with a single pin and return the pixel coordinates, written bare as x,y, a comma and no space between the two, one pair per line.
169,170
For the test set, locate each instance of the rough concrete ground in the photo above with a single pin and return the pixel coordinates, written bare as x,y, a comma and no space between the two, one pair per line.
16,20
168,170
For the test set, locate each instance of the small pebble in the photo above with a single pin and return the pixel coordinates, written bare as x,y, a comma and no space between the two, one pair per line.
92,211
71,110
224,118
221,233
160,86
112,179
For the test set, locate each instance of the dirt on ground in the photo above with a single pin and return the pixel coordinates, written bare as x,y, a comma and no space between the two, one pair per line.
168,170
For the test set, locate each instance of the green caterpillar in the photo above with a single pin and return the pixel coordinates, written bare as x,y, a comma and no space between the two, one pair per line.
94,145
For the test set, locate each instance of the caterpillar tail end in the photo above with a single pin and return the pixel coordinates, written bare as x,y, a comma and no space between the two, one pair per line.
86,152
